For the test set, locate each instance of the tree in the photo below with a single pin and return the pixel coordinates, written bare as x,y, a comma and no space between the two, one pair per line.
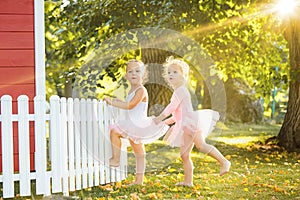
72,31
241,45
289,135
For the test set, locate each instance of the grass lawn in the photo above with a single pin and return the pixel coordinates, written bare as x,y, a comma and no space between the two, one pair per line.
259,171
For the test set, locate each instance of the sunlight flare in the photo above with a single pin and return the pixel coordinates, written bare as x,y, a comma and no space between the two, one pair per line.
286,7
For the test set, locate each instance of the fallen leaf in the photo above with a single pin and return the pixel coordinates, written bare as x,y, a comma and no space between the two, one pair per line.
159,195
152,196
207,188
277,189
172,170
144,190
134,196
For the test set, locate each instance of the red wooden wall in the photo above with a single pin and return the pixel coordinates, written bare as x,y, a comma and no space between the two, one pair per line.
17,70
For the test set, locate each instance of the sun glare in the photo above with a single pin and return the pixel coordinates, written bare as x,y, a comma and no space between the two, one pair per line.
286,7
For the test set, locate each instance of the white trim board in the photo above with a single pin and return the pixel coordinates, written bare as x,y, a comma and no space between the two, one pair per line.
39,41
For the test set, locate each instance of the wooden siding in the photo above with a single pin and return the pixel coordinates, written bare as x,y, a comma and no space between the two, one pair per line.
17,7
17,67
17,62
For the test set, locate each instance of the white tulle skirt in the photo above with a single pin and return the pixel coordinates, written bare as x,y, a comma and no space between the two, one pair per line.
140,130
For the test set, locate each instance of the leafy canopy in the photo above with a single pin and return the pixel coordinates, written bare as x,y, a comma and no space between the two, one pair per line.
242,38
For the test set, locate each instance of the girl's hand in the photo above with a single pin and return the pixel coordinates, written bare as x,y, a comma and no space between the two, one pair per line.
159,118
156,120
169,121
108,100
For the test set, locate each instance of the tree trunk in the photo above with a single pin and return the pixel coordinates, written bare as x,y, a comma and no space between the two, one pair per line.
198,93
206,98
68,90
159,91
289,135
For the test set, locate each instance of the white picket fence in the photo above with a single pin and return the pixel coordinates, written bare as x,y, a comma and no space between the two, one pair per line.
78,149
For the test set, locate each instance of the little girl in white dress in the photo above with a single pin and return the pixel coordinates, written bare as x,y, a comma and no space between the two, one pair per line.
137,127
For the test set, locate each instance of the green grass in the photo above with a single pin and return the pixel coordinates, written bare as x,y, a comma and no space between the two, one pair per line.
259,171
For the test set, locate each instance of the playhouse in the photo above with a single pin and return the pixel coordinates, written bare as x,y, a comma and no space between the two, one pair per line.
22,68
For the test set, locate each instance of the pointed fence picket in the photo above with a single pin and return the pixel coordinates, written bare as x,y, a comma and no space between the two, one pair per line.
72,145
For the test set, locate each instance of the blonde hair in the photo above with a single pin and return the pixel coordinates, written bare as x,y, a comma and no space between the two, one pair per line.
178,62
143,68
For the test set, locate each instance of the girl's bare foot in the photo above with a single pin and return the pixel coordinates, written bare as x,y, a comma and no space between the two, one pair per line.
135,183
225,167
184,184
114,162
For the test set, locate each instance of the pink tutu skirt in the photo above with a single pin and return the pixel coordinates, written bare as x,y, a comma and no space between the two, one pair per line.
196,122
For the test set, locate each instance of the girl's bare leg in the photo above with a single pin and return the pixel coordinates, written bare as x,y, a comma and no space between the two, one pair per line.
212,151
140,162
188,167
116,143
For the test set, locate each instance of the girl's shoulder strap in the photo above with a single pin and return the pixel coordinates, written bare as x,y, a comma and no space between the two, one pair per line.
132,94
143,88
136,89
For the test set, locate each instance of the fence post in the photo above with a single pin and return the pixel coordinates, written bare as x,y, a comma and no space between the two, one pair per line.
42,185
64,147
124,157
70,111
95,140
89,146
7,147
107,144
83,142
24,154
113,170
55,146
77,144
101,141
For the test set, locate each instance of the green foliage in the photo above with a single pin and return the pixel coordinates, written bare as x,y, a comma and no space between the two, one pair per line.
101,76
244,45
243,41
72,31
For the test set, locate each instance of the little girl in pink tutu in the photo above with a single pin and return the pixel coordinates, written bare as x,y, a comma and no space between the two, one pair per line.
137,127
191,127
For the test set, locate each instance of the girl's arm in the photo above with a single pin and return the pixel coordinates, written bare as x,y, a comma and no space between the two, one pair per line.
167,111
138,97
171,107
169,121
